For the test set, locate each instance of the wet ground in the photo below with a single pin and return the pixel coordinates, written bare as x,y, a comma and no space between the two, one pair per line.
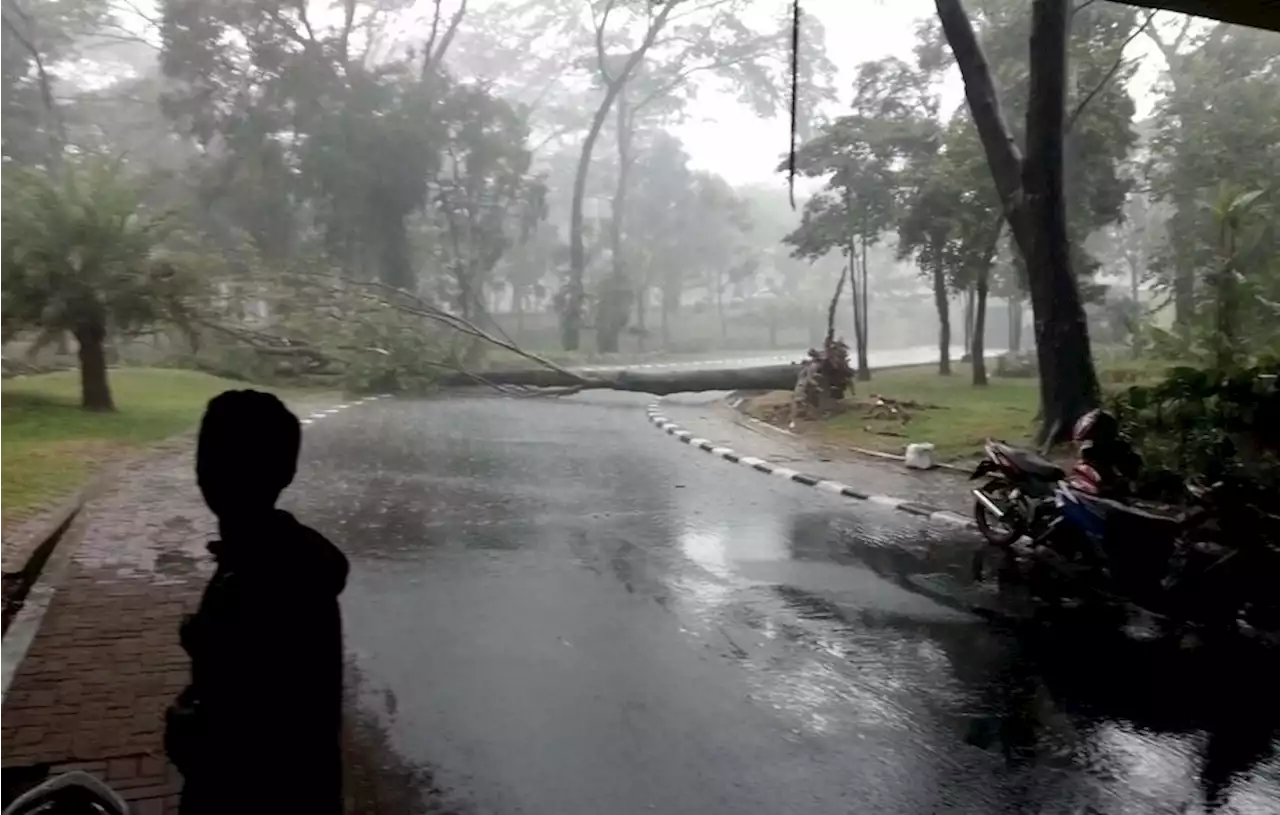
556,609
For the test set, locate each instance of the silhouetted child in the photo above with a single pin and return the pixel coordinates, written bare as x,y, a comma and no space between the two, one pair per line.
259,727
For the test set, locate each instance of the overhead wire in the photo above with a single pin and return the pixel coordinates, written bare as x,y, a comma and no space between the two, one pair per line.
795,99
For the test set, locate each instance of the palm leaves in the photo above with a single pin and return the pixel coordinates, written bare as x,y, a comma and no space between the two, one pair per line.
80,253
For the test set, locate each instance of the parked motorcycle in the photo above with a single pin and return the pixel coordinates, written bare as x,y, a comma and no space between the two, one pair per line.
74,793
1209,566
1017,498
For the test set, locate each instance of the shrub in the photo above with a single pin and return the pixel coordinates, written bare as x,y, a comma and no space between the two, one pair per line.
1207,426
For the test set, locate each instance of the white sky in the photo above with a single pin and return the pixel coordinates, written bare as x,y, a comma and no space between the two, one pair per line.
728,139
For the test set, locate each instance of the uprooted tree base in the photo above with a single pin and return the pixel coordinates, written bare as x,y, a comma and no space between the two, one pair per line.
891,414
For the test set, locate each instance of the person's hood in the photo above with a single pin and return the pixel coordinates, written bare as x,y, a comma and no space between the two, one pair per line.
286,553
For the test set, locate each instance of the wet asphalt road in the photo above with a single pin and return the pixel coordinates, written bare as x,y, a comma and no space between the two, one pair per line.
555,608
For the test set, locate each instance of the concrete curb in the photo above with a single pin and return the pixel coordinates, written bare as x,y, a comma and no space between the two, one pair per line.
48,562
24,626
654,413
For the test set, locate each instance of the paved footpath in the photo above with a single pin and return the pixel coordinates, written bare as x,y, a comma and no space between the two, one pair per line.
105,662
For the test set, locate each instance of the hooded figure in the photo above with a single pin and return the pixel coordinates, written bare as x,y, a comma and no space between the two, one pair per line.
259,727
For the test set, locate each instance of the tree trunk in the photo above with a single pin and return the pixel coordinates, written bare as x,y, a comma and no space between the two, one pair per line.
968,320
614,303
944,319
95,392
1068,382
859,332
571,325
571,328
517,306
394,258
978,347
1003,156
724,327
771,378
1031,195
642,309
864,367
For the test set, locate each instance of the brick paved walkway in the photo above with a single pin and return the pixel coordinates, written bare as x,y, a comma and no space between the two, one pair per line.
92,690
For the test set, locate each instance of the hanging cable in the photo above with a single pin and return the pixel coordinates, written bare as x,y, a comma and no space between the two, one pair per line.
795,98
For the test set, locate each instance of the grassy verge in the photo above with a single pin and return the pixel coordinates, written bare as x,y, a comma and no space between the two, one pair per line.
949,412
51,447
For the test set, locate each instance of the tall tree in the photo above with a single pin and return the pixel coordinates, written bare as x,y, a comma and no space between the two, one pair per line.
81,254
1032,197
1217,121
669,53
860,154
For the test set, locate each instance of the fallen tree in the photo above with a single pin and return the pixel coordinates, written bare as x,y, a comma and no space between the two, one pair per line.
771,378
376,337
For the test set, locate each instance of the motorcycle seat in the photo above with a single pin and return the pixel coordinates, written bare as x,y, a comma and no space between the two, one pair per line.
1032,463
1132,518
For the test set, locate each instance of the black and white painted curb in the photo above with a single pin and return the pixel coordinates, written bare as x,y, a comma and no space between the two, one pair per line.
317,415
834,487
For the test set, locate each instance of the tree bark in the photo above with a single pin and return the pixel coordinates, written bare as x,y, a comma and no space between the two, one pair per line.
1068,381
775,377
1031,195
859,342
864,366
571,326
968,320
724,327
944,318
978,347
614,305
95,392
1015,325
1003,156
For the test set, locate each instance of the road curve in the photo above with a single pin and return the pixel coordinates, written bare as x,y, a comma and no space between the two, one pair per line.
553,609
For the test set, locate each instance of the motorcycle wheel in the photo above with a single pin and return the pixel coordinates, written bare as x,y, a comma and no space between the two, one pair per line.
999,531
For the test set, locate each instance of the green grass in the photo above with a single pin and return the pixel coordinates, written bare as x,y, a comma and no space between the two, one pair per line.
956,417
51,447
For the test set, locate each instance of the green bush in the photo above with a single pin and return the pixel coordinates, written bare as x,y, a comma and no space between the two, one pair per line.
1208,426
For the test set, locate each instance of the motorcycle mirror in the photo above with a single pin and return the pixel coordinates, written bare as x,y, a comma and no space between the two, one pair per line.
74,793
